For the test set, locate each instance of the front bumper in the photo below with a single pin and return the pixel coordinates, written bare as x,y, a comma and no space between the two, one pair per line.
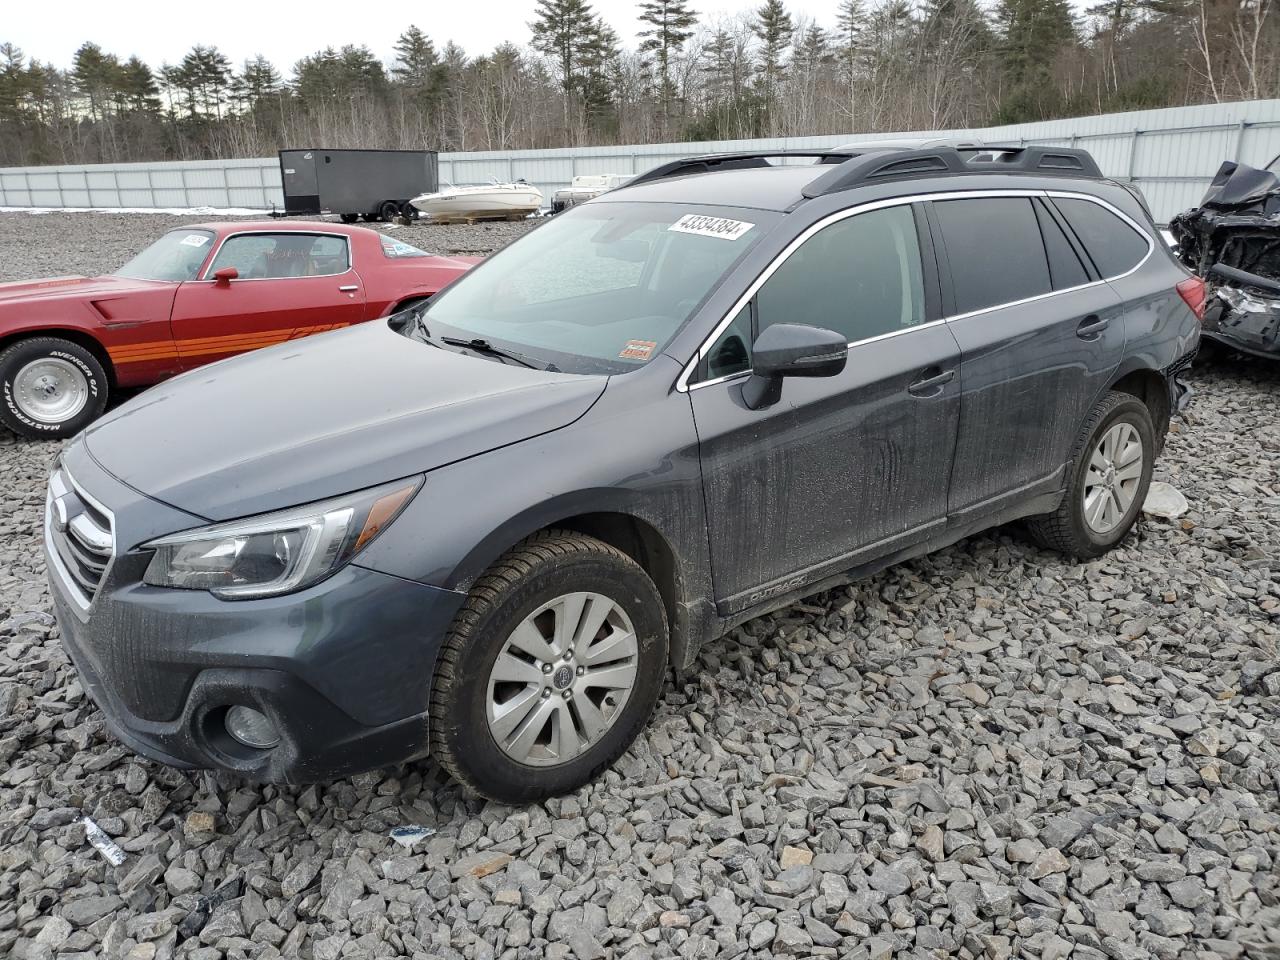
343,669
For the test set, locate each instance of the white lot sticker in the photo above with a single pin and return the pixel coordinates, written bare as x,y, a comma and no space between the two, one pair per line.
717,227
195,240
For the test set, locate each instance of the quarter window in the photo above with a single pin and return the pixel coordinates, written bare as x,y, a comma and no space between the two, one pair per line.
275,256
732,350
1065,268
860,277
995,249
1113,245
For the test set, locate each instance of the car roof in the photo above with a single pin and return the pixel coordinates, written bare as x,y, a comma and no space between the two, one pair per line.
780,179
763,188
224,227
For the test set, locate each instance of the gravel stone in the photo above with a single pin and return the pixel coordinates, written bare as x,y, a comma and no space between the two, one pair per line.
989,752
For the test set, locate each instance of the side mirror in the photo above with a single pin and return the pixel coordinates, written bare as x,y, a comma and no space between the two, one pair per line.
225,275
791,350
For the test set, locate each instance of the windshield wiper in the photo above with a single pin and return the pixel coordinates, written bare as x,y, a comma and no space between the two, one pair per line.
480,345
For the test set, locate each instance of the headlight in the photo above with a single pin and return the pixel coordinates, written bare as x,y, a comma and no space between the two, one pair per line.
276,552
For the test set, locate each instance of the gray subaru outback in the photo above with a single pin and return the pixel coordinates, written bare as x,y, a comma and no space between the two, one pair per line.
485,529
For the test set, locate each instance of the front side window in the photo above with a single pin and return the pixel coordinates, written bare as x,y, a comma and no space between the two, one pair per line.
996,252
601,288
1113,246
859,277
175,257
278,256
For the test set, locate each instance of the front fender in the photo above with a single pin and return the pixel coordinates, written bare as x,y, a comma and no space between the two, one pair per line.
628,457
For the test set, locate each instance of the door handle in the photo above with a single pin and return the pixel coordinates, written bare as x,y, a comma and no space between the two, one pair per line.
1092,326
349,288
930,382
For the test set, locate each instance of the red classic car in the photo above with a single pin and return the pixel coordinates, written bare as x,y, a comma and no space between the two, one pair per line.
199,293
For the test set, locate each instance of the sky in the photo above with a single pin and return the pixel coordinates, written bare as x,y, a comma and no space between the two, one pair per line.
284,32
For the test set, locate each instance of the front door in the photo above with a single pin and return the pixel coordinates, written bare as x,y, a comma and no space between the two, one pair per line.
1038,338
289,285
844,469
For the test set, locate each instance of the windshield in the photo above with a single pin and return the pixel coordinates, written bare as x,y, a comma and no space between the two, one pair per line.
601,288
175,256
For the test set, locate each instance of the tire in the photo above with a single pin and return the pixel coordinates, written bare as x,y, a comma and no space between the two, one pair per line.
409,211
388,211
1070,529
50,388
532,576
348,217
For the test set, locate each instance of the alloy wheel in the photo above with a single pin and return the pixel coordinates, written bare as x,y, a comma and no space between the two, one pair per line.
562,679
1113,477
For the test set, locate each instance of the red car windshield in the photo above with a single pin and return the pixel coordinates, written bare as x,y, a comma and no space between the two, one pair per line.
176,256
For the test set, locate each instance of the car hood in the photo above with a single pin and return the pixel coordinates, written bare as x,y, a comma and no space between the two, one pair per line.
312,419
52,288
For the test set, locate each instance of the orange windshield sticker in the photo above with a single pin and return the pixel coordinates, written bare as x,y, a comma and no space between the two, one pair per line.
638,350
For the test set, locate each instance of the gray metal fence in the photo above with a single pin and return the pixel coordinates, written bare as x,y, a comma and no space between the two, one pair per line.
1171,154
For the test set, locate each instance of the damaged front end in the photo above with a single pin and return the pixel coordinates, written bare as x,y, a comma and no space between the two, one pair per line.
1232,240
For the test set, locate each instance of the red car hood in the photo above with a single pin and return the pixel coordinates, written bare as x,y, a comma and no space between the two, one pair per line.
79,288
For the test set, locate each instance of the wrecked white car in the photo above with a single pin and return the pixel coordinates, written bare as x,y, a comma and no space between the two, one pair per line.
1232,240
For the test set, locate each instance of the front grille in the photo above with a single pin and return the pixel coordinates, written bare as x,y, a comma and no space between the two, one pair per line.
80,536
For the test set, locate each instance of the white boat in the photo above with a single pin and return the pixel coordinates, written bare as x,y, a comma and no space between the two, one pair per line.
491,201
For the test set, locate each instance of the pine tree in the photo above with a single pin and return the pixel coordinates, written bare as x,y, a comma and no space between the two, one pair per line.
670,26
258,81
773,27
416,59
851,21
96,76
138,91
1035,33
561,31
598,54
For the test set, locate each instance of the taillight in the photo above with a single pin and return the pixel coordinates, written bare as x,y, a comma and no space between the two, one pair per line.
1192,291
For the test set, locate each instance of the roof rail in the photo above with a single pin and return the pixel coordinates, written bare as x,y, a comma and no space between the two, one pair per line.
716,162
949,161
856,165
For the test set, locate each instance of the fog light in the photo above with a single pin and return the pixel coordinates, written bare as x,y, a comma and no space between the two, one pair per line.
251,728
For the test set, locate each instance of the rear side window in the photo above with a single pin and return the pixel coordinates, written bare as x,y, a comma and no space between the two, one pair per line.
860,277
1113,245
995,249
280,256
1065,268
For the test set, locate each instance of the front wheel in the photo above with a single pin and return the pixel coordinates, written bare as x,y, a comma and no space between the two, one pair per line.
50,388
550,670
1110,472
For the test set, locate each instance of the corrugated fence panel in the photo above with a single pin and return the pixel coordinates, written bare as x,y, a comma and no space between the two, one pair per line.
1171,154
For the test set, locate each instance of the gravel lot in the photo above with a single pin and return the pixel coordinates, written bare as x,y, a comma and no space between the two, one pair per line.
990,752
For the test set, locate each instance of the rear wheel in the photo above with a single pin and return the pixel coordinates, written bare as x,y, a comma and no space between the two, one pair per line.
550,670
388,211
50,388
1110,472
409,211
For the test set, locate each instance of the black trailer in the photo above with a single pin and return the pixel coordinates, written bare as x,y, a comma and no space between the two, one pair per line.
374,184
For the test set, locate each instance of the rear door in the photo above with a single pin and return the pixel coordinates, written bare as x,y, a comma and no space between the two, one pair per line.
290,284
843,469
1039,337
